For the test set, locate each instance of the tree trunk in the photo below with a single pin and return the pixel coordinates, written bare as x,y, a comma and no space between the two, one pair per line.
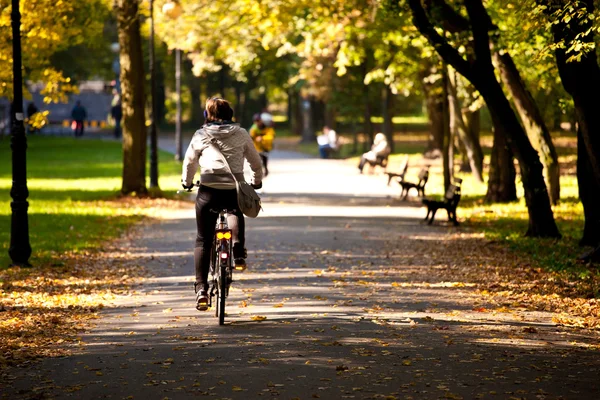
132,97
581,79
589,195
388,110
196,111
297,120
308,130
532,120
434,102
367,124
458,127
502,174
447,146
480,72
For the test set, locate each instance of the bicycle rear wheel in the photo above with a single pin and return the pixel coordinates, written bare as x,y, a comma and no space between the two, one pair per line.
222,294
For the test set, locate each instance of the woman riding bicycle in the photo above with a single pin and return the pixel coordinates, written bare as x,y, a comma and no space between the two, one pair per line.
217,187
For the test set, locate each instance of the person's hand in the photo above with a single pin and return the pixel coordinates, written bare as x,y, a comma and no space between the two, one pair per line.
186,187
257,185
259,138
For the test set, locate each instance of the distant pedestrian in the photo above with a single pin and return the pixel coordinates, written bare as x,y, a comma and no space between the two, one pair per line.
262,136
79,115
116,111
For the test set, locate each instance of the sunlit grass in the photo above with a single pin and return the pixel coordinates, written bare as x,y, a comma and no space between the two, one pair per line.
74,195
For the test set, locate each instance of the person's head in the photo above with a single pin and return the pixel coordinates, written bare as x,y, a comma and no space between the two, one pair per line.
78,103
326,129
256,117
266,118
218,110
379,138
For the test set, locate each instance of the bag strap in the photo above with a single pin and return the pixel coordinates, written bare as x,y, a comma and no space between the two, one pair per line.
211,142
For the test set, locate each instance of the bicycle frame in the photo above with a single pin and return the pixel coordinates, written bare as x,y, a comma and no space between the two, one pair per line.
221,269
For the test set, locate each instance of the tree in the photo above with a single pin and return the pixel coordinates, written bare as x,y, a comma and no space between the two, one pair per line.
573,28
480,72
52,28
533,122
132,97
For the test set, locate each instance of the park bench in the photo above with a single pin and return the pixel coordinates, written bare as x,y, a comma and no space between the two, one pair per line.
449,203
398,175
419,186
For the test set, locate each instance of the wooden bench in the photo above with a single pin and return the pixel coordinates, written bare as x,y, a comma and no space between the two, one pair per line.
381,161
398,175
420,185
449,203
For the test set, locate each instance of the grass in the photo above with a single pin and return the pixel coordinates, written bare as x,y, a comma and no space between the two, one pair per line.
507,223
74,202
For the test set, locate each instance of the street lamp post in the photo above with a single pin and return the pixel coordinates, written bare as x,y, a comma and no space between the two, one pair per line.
153,133
172,9
178,144
20,249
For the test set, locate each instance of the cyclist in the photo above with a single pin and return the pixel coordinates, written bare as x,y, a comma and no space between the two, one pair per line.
217,187
263,134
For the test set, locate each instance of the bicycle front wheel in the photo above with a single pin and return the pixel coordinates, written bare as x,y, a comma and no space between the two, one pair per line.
222,295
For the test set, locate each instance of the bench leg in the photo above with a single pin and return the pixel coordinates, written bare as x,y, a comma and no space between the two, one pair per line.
452,217
432,216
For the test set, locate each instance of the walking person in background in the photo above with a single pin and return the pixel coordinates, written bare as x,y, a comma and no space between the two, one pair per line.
79,115
116,111
262,135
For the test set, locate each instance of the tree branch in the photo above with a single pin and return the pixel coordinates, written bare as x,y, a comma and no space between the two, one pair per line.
448,53
480,25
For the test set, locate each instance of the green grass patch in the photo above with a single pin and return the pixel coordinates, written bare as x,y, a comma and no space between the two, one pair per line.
74,189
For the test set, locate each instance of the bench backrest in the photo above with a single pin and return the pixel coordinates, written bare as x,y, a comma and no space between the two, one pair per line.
423,177
453,193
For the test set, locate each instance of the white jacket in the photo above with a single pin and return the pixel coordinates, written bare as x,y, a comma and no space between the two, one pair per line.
235,144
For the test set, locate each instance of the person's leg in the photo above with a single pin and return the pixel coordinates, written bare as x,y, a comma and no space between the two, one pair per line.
205,222
265,162
237,224
263,158
117,128
79,128
361,165
323,151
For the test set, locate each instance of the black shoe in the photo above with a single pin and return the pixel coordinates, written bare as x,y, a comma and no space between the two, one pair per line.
240,264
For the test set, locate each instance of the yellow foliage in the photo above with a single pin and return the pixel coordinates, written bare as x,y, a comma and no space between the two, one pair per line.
47,27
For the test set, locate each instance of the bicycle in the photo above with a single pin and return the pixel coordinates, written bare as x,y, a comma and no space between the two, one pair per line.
221,265
221,262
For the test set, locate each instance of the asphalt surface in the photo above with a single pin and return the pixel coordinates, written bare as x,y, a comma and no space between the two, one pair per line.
341,301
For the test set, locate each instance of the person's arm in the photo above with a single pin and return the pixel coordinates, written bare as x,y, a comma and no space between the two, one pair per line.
381,148
190,161
254,160
268,139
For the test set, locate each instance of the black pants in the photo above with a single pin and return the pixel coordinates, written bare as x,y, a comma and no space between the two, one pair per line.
209,203
264,156
79,128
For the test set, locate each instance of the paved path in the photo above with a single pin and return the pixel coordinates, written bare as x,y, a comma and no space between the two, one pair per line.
345,299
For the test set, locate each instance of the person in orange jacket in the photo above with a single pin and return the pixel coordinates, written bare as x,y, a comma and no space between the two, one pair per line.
262,134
